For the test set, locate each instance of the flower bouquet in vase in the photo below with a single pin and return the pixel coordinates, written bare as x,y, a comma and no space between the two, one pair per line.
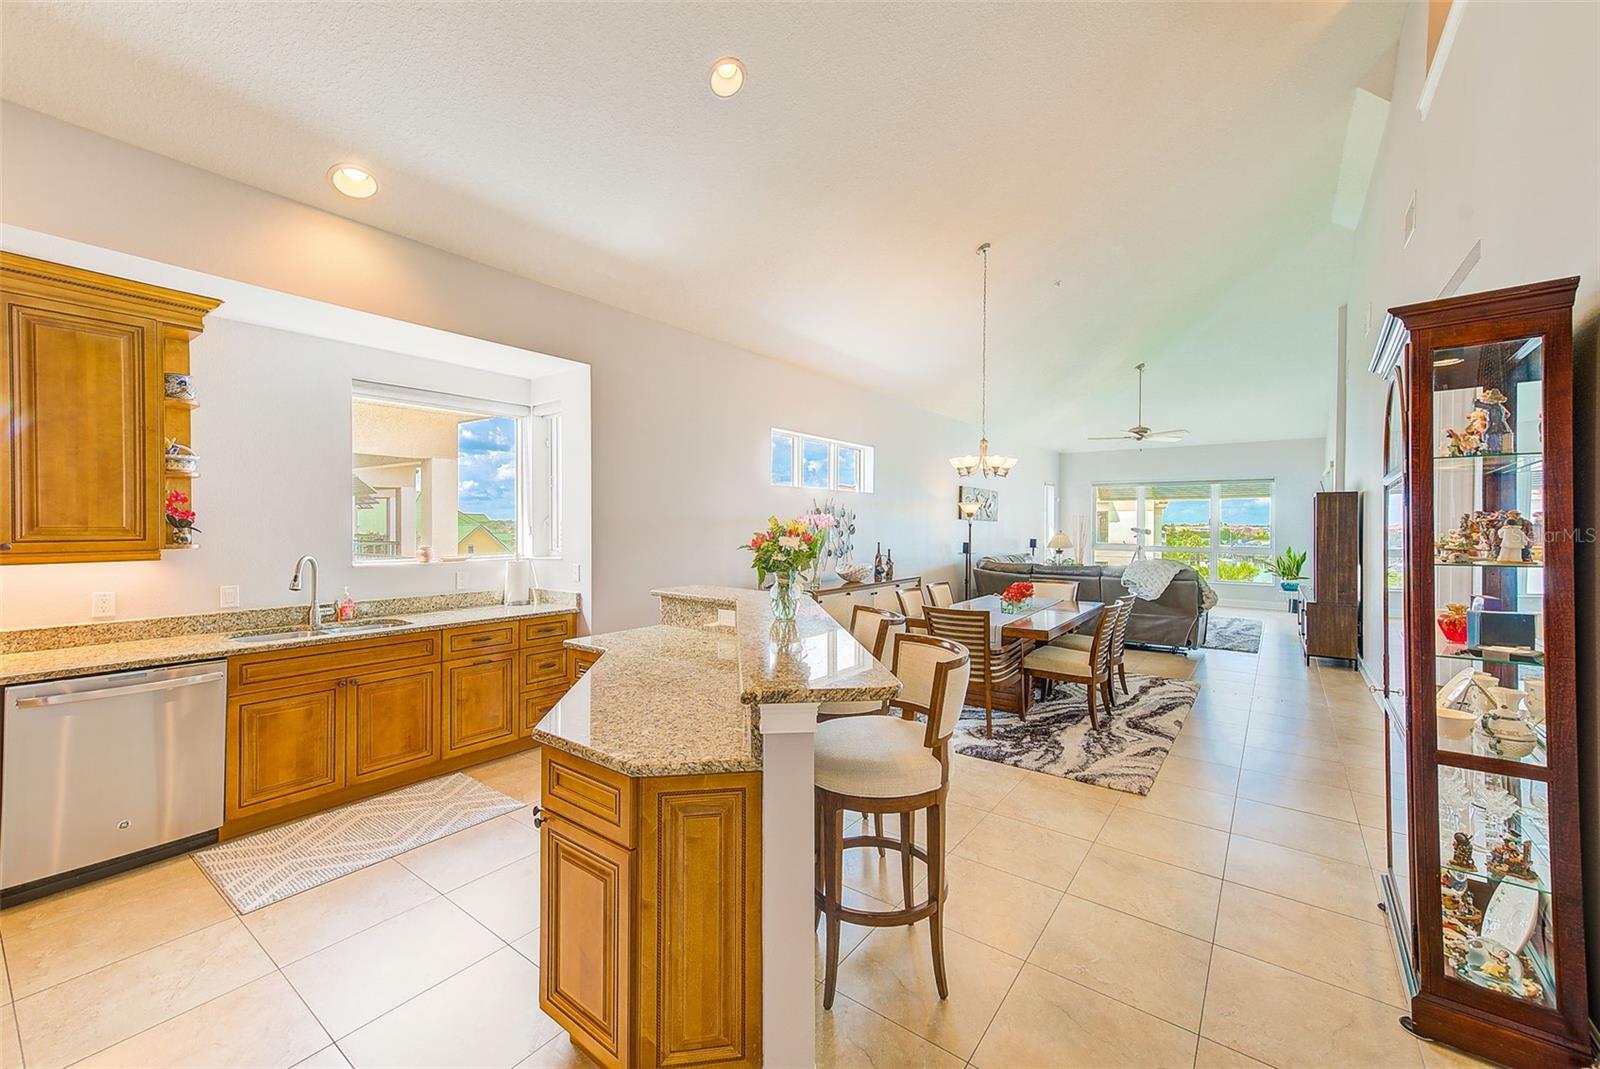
180,517
1016,597
786,550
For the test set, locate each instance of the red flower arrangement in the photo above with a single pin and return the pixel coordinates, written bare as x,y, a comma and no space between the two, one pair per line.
1017,593
179,514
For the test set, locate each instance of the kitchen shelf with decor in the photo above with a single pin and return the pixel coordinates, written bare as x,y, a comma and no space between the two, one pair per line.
1483,883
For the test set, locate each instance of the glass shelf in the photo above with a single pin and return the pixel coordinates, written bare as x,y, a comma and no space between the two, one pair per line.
1526,566
1463,653
1494,463
1536,884
1471,747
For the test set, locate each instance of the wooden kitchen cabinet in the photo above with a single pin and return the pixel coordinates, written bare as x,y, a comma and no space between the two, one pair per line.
393,722
480,701
284,746
82,393
650,926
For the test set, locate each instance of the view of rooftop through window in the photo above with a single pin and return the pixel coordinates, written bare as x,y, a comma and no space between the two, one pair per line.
432,476
1221,529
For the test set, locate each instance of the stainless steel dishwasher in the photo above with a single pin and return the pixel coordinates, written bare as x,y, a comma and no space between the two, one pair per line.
102,773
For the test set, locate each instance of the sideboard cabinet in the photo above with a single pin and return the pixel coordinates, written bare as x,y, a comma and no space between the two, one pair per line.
1484,880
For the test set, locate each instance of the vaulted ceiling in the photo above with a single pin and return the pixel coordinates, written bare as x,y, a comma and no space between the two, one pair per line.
1157,180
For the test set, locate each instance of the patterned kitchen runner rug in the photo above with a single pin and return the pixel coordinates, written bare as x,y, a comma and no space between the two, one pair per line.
1233,633
1124,753
265,867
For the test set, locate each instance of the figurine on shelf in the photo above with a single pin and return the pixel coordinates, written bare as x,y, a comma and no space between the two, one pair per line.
1462,857
1512,858
1460,911
1452,621
1497,436
1467,442
1513,545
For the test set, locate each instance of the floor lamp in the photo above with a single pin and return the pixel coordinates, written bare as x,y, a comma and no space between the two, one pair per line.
968,509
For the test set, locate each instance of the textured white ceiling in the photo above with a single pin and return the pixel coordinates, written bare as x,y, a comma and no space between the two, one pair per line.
1157,179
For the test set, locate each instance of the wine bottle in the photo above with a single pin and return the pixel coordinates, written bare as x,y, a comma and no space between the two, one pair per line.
888,568
877,564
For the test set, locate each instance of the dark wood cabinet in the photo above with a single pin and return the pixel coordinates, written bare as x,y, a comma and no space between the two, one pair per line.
85,410
1330,623
1484,879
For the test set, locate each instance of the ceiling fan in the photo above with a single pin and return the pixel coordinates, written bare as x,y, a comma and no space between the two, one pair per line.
1139,432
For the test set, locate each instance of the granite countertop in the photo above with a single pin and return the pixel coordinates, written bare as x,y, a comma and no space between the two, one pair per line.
684,699
168,648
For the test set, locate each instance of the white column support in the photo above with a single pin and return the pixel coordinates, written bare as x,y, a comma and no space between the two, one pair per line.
788,934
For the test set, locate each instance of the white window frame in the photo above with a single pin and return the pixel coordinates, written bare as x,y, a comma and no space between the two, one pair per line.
1052,516
417,397
864,462
544,528
1143,546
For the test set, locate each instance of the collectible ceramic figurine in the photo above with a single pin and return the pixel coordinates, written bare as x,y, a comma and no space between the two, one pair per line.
1513,545
1497,436
1462,858
1513,858
1467,442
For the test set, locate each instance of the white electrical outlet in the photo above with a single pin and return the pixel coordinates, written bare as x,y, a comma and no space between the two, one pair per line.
461,579
228,597
103,606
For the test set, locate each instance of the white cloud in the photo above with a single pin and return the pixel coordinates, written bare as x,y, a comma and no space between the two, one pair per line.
506,471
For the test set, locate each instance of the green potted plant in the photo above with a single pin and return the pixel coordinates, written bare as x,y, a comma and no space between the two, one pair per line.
1288,566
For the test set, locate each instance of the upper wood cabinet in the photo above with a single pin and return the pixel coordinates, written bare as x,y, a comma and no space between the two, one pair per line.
83,399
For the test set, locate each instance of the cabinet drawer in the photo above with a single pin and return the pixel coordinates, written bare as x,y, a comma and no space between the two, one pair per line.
542,668
590,796
479,639
579,663
536,703
338,660
549,630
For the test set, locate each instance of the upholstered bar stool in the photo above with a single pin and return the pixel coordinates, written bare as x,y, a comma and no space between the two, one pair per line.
875,629
891,764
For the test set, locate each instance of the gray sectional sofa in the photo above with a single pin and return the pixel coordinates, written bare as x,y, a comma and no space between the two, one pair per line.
1176,619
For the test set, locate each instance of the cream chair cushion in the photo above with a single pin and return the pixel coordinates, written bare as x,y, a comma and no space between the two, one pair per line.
848,708
1073,642
1058,661
876,757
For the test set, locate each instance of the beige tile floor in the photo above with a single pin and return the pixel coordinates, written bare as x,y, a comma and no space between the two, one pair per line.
1227,919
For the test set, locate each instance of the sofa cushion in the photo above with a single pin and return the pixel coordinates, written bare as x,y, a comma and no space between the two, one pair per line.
1013,567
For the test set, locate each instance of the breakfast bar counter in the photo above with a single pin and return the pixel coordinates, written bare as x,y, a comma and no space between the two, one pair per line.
675,813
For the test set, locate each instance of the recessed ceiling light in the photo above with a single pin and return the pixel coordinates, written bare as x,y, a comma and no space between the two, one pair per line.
352,181
727,76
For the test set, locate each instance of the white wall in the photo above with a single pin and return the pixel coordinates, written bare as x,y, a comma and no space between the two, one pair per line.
273,432
680,422
1508,156
1295,466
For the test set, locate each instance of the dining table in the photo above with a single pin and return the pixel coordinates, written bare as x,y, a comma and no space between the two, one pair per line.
1040,621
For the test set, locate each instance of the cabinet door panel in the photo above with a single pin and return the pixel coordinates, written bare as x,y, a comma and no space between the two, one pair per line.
394,722
83,454
480,703
284,747
586,932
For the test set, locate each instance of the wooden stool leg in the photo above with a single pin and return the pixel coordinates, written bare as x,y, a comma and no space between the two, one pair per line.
907,826
877,829
936,893
834,839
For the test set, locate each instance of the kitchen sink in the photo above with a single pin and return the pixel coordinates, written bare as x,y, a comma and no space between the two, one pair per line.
349,627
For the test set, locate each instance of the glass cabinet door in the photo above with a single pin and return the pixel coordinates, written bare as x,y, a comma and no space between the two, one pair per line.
1488,641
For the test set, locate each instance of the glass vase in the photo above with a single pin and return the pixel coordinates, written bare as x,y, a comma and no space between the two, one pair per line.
786,594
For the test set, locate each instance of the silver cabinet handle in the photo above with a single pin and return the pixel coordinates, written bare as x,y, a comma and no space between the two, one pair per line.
115,692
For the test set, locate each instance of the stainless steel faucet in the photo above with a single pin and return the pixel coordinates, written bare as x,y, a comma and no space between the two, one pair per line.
314,617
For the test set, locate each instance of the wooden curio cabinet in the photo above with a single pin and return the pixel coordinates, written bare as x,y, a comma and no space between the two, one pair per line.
1484,885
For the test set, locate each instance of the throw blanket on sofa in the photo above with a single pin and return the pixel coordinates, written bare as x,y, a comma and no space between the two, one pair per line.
1148,579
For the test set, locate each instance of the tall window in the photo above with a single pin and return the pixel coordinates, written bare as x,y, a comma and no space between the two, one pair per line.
1221,529
434,470
1051,521
814,463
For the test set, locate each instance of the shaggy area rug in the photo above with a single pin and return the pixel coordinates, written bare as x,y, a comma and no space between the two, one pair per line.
1124,753
1233,633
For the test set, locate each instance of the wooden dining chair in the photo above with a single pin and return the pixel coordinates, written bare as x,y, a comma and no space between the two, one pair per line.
911,605
1056,590
992,666
1119,639
1092,668
887,598
940,594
